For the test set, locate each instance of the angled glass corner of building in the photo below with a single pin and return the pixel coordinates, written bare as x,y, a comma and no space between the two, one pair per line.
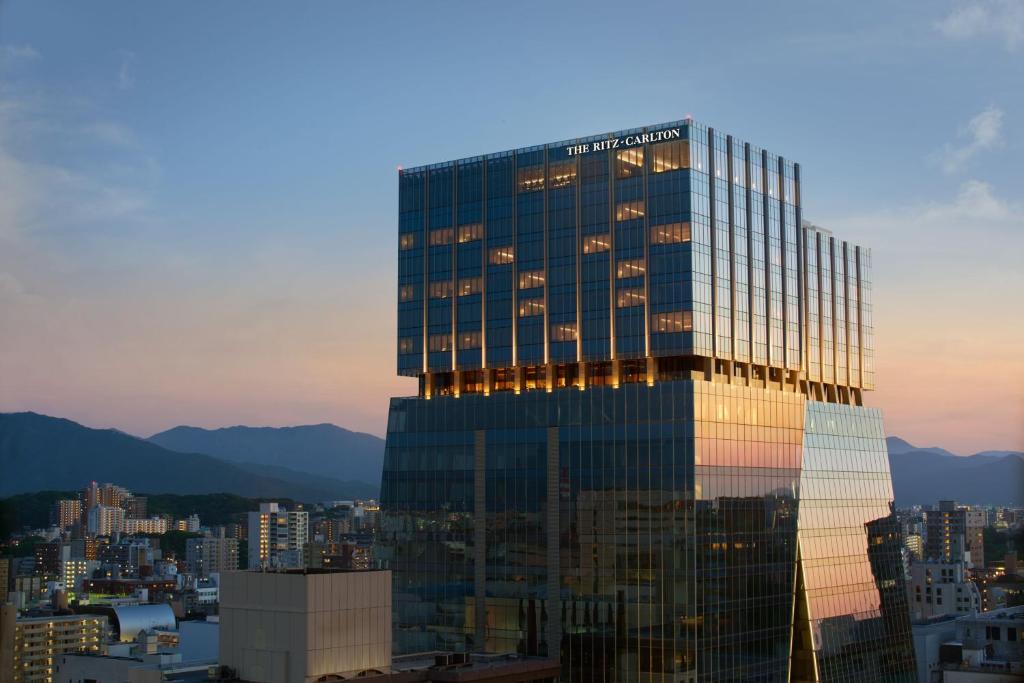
852,618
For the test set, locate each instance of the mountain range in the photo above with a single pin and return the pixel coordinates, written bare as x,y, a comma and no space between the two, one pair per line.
322,450
38,452
323,462
922,476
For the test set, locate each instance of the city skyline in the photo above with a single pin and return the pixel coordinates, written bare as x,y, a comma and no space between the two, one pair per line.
186,274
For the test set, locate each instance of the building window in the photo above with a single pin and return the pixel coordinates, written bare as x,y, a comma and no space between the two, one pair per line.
629,162
470,285
504,379
528,279
407,241
468,233
501,256
670,156
528,307
593,244
627,211
630,268
535,377
473,382
405,345
440,342
634,296
563,332
672,321
441,290
441,236
406,292
530,178
562,174
672,233
469,340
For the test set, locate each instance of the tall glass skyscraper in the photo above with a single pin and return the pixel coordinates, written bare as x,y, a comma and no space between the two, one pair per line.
639,442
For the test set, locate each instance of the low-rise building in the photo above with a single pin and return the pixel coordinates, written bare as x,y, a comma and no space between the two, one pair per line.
277,537
104,520
929,638
49,557
914,543
74,571
205,556
67,513
937,588
190,523
5,578
989,648
28,645
299,625
146,525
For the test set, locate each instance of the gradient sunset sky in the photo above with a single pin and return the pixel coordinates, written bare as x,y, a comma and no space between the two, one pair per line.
198,201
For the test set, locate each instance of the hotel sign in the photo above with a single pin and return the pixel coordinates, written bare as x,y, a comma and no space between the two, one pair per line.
626,141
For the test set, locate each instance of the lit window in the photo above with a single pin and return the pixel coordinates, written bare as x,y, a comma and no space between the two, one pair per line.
528,307
593,244
405,345
629,162
627,211
672,233
563,332
501,256
634,296
440,342
468,233
562,174
670,156
441,290
672,321
530,178
469,340
406,292
531,278
629,268
441,236
407,241
470,285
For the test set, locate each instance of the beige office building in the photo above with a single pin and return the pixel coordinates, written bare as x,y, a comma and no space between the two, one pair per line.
294,626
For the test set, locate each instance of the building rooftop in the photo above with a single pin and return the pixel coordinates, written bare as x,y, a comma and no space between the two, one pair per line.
1008,614
560,143
306,571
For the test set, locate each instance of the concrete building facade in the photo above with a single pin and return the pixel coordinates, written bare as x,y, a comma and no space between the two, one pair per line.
294,626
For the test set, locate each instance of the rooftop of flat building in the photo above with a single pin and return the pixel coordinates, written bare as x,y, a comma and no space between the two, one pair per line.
40,619
1008,614
308,571
438,667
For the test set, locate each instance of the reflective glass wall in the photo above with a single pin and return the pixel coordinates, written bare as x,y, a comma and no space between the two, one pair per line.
644,533
854,623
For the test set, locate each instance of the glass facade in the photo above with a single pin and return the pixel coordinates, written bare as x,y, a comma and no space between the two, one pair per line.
638,444
602,238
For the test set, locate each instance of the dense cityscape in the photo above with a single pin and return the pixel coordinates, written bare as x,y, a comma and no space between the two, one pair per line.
107,587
